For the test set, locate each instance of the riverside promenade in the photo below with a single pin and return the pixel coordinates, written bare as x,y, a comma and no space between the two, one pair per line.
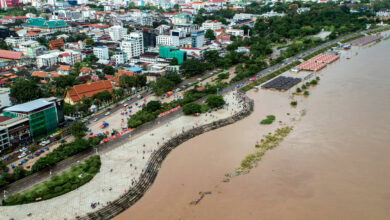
123,166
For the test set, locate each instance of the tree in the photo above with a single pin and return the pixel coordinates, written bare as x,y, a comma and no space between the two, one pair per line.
90,42
118,92
4,45
174,62
25,90
153,106
163,85
191,108
127,81
109,70
173,77
19,173
211,56
77,129
209,34
192,67
141,80
214,101
3,167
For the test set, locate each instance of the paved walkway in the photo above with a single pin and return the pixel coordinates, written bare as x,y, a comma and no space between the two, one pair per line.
126,162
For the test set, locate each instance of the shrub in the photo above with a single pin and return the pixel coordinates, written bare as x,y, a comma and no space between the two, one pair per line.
223,76
214,101
153,106
313,82
299,90
59,185
192,108
268,120
294,103
306,93
304,87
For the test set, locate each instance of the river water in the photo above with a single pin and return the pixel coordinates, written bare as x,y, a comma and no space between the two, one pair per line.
334,165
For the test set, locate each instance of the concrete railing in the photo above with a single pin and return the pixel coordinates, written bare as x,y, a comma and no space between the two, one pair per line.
147,178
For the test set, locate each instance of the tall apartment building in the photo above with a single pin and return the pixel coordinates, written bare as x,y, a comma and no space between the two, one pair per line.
150,36
133,45
197,38
101,52
117,32
212,25
167,40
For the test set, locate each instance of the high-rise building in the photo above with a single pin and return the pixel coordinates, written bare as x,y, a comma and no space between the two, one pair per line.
197,38
149,37
133,45
101,52
168,40
117,32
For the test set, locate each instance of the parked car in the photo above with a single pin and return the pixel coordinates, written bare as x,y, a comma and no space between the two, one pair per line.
107,113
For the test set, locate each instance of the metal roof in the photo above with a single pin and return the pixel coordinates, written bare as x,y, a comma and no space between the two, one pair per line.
29,106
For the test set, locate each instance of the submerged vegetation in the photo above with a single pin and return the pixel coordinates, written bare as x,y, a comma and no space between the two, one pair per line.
269,142
294,103
268,120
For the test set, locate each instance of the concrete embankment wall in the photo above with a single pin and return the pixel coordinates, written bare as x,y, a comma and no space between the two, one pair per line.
147,178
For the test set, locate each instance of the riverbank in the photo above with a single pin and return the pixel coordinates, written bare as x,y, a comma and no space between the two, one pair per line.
121,168
332,165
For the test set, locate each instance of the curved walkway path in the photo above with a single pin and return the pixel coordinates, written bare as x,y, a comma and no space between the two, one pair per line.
127,163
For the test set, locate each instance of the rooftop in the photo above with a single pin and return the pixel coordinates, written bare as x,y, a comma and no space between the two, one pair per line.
12,55
29,106
43,23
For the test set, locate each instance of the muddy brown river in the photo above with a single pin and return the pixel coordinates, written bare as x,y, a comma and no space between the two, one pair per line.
334,165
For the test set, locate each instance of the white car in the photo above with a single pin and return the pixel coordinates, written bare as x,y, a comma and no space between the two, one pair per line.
96,119
107,113
125,105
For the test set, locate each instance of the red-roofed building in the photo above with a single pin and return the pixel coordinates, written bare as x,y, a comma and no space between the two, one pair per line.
10,55
86,71
10,3
12,19
76,93
120,73
40,74
64,69
56,44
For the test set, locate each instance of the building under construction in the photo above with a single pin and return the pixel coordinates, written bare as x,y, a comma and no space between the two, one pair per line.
44,115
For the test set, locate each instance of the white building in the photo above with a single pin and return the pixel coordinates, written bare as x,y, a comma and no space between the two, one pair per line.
168,40
242,16
101,52
120,57
47,60
133,45
13,41
117,32
212,25
272,14
197,38
235,32
4,97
